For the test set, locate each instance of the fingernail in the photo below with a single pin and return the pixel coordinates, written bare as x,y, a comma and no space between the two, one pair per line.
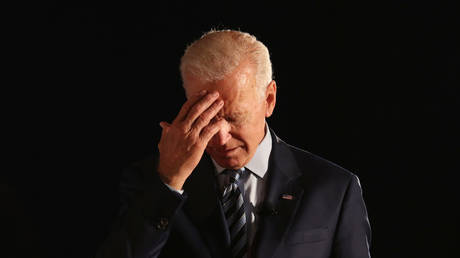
201,93
215,94
221,102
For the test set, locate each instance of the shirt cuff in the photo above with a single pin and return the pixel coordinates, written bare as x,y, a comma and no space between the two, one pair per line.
172,189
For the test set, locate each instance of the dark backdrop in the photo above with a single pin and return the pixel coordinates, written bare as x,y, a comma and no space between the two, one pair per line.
370,86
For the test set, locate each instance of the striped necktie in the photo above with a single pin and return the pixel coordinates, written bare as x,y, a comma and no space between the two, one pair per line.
234,209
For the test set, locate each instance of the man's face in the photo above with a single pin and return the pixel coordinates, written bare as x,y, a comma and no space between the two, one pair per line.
244,113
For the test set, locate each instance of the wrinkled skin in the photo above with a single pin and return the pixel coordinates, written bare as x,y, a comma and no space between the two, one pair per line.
225,118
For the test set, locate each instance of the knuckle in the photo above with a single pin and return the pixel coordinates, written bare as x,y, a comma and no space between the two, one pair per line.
207,129
214,108
202,119
205,133
212,127
197,107
182,129
190,139
205,102
210,97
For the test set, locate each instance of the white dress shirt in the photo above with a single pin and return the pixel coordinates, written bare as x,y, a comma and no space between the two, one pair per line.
253,181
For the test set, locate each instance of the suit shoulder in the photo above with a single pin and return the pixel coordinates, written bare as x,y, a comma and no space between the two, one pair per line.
313,165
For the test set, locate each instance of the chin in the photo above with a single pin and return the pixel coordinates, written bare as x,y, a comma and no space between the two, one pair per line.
233,159
228,162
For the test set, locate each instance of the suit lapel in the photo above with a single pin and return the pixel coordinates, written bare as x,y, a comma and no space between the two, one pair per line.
203,207
281,200
205,212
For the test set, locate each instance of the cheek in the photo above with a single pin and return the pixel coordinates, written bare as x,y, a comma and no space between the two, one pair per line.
249,130
246,137
239,136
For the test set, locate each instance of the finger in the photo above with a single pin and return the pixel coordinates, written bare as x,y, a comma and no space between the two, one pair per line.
205,117
199,107
188,104
164,130
165,127
210,130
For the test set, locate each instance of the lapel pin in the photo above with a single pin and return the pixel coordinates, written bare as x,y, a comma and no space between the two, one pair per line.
287,197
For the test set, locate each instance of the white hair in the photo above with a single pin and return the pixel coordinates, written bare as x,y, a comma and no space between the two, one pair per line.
218,52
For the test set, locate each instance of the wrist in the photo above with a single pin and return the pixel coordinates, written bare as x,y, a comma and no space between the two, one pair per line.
173,182
174,190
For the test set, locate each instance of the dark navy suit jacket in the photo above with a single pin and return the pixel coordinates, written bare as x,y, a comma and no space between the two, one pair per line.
326,217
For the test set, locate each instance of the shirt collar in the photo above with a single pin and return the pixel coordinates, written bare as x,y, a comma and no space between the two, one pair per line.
259,162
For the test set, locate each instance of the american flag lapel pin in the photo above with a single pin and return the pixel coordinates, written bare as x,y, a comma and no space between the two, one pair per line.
287,197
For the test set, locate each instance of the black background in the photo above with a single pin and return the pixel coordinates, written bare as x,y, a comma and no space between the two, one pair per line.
370,86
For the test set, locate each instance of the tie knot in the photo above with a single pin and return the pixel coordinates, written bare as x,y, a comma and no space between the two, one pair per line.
233,174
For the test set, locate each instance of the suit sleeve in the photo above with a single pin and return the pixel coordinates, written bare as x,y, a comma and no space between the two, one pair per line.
353,233
144,221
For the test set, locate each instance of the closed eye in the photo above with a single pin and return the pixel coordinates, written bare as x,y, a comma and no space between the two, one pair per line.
230,119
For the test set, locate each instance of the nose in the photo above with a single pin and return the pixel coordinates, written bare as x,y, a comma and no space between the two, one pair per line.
221,137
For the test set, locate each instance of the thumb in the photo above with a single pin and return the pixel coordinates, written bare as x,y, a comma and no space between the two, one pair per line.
165,126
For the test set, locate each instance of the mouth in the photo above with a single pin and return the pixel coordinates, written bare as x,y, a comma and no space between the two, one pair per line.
225,152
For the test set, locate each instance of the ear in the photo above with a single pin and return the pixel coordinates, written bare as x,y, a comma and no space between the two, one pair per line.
270,98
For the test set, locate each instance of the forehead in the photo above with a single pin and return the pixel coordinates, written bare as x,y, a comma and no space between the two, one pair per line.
237,90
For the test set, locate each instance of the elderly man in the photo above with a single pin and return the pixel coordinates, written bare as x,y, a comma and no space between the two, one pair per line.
223,184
